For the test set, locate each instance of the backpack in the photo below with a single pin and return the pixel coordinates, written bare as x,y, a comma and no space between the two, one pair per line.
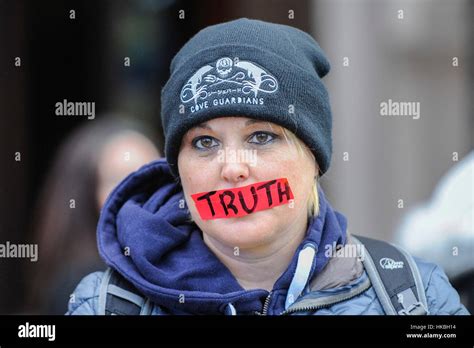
392,272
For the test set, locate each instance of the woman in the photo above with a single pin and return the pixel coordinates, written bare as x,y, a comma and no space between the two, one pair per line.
89,164
233,222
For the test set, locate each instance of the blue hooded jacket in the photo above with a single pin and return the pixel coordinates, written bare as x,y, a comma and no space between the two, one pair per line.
145,234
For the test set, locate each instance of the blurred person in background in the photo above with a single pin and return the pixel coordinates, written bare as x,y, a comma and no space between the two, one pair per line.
442,229
91,162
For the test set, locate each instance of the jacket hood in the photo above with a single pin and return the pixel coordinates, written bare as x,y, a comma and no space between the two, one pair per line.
145,234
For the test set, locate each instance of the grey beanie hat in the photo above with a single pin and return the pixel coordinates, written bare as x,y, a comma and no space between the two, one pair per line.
249,68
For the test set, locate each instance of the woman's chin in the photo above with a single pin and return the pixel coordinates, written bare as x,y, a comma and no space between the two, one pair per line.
245,232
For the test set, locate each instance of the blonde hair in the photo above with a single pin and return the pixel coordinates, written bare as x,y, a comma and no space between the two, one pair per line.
303,150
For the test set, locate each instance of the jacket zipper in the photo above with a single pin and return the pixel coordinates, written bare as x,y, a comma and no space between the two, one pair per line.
325,305
265,305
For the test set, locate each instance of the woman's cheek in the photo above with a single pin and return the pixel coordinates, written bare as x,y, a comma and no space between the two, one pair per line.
201,176
300,180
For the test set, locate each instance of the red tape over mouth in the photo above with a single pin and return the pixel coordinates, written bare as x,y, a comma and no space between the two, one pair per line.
242,201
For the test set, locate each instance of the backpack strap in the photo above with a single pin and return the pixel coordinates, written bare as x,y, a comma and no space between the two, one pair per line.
117,296
394,276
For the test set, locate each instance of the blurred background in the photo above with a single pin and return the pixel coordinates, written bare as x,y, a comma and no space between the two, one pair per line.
385,172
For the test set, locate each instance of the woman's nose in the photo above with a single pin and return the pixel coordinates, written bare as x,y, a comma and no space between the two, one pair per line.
235,171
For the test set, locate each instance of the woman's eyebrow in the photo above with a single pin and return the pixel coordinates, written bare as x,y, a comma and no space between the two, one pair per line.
252,121
203,125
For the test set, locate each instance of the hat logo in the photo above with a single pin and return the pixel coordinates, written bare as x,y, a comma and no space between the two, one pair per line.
228,81
224,67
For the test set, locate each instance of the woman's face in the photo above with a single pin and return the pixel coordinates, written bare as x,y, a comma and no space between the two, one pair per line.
230,152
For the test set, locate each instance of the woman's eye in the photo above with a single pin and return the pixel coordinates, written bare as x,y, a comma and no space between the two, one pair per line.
261,138
204,143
